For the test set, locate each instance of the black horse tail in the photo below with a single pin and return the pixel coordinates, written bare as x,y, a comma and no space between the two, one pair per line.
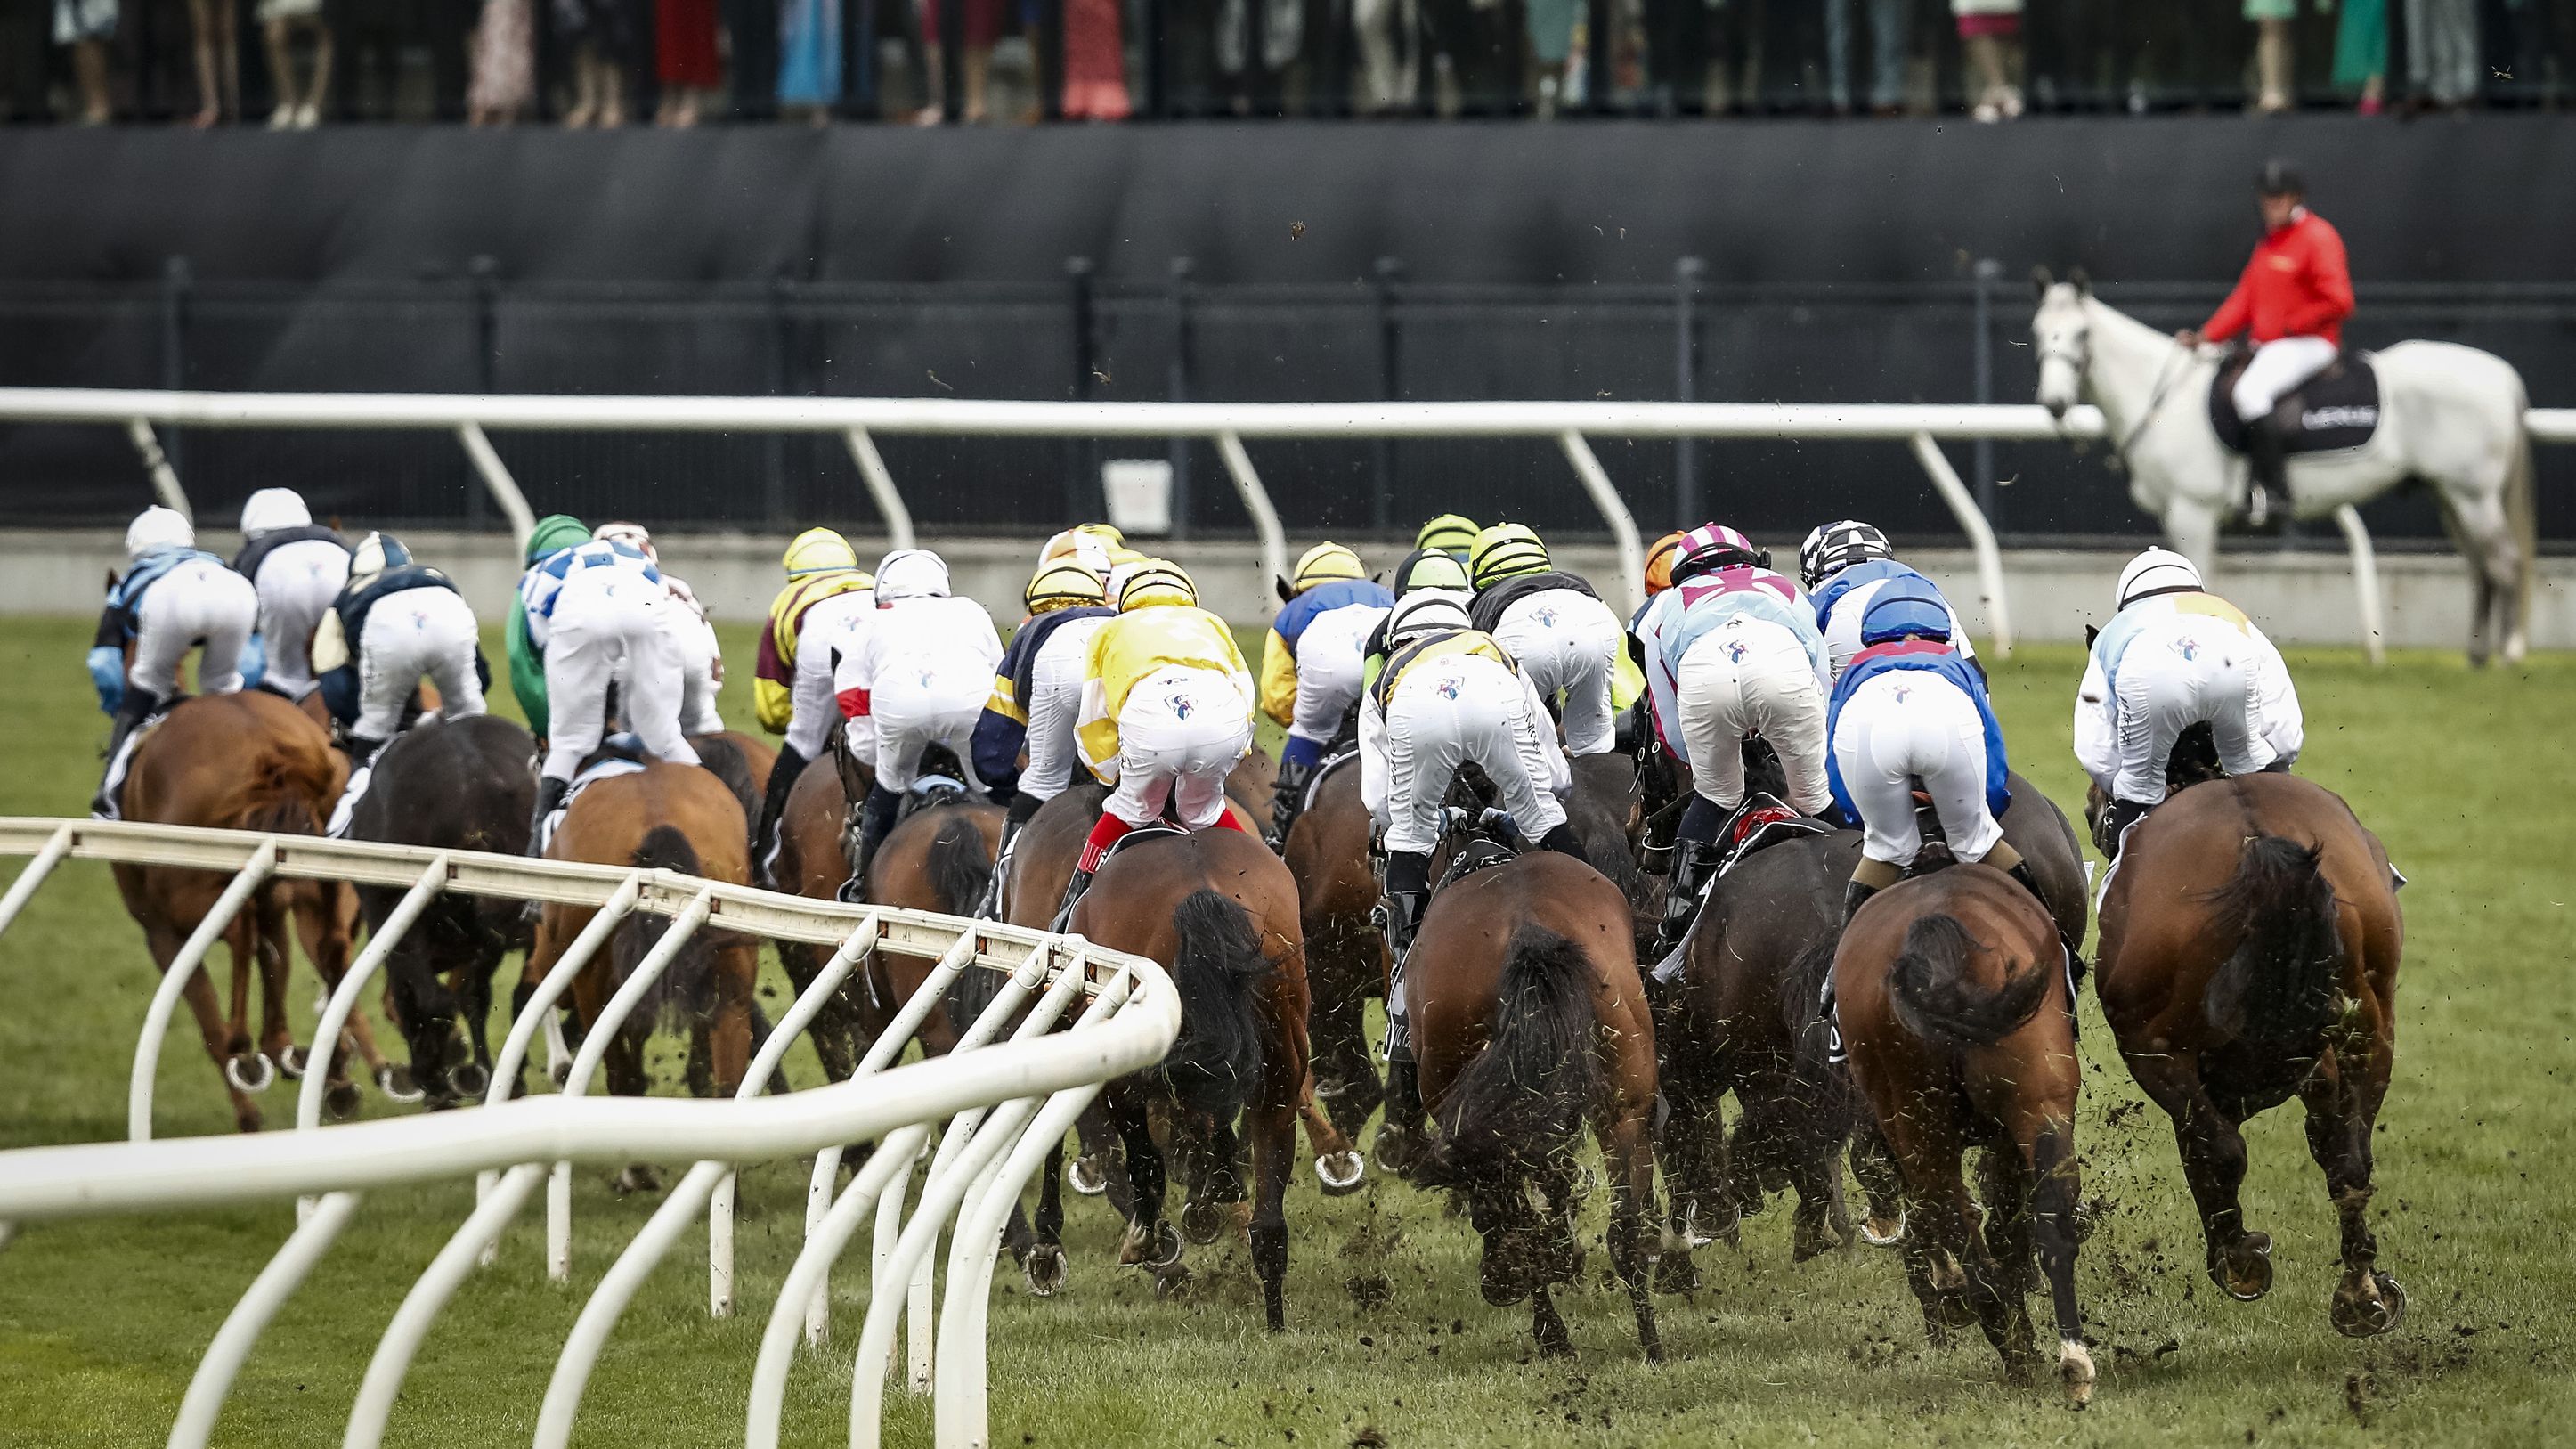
957,865
687,984
1520,1105
1219,965
2278,988
1935,1000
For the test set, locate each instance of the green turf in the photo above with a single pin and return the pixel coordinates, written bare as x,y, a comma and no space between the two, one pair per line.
2468,777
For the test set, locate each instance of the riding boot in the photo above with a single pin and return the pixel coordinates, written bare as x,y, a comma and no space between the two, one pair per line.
2113,829
362,752
2265,462
1564,841
773,811
1074,885
2021,872
1691,866
1021,808
1855,895
133,707
1288,799
876,819
550,798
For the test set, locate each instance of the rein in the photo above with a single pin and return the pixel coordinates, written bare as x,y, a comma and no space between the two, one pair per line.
2165,376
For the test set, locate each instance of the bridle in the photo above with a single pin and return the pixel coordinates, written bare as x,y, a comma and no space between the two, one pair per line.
2076,357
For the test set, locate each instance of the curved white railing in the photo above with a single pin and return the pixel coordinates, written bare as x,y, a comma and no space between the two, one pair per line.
996,1098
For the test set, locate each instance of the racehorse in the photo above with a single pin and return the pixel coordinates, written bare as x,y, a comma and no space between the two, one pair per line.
939,857
811,862
1220,911
1529,1022
678,818
1327,850
449,785
242,761
2250,942
2450,416
1607,809
1955,1008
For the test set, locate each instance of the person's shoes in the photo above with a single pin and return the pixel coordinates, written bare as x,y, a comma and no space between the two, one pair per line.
1692,862
1855,895
2113,828
1288,800
550,798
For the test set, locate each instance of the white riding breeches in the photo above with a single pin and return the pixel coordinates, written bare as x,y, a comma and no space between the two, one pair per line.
910,710
1447,712
2179,672
1753,677
1331,658
197,602
2276,370
1908,725
694,639
1054,706
608,629
297,584
1180,733
413,633
1567,642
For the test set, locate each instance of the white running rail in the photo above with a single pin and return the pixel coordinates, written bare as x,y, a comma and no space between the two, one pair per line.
995,1096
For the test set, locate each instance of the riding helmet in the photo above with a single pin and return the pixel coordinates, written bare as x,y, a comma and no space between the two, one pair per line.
2279,178
376,553
1324,563
1834,547
1156,581
1504,550
157,528
1067,583
1427,611
1713,546
271,509
911,573
633,535
1659,562
1905,606
1430,568
2156,571
1450,533
819,551
555,531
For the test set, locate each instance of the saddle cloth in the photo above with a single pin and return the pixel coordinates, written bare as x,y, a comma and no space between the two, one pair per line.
2338,408
597,770
112,786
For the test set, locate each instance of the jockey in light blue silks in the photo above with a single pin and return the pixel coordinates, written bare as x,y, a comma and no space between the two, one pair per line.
173,597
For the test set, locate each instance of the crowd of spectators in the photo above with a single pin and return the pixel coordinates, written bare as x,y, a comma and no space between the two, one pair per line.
292,64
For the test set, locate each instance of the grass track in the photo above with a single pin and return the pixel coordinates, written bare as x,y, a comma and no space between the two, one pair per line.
2470,778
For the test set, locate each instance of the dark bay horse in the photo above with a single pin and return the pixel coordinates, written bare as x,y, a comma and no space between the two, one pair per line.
243,761
1327,850
1219,910
811,863
449,785
1953,1004
939,858
1529,1024
2250,943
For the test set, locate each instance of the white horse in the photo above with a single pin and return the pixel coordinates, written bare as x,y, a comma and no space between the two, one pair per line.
2449,416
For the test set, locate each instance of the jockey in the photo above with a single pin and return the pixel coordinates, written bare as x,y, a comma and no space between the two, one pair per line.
701,657
827,607
1166,713
1450,533
1554,625
1088,544
173,597
2291,304
594,616
1313,665
1731,651
1910,709
1424,568
527,661
919,678
2173,656
298,568
1844,565
1659,569
1037,691
393,622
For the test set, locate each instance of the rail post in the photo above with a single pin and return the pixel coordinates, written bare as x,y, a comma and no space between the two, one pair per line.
174,981
1981,538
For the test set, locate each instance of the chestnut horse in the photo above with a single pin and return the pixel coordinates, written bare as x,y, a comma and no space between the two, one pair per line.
1327,850
1951,995
2250,941
1219,910
1528,1022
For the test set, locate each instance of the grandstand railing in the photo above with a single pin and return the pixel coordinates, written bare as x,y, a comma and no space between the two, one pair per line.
1002,1102
1571,425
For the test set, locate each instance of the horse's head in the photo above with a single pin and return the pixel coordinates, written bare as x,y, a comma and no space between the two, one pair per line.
2062,329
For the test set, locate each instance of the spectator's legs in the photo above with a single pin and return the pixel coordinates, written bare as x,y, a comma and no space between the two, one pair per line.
218,56
89,71
1889,30
2272,64
752,25
442,29
1838,26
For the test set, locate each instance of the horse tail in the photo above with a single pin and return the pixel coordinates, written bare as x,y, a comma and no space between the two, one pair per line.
724,759
2277,988
1520,1105
1935,1000
2522,512
687,984
1213,1063
956,864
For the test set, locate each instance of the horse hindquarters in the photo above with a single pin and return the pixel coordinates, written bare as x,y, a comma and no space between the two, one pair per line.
1218,1069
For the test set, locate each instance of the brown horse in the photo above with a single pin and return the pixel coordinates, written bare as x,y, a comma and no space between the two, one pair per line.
1528,1022
938,858
668,817
244,761
1952,1000
811,862
2250,941
1327,850
1219,910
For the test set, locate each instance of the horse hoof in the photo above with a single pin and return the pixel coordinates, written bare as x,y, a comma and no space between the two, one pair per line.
561,1072
2075,1371
467,1080
397,1084
1086,1176
1396,1149
1879,1233
2245,1273
1201,1221
1171,1283
637,1178
294,1061
2357,1317
257,1077
1044,1268
340,1103
1340,1172
1676,1273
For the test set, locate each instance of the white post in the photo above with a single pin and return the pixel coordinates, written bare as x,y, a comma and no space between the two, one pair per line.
165,997
23,889
1614,511
470,1243
890,504
2365,583
809,1278
165,479
268,1293
504,488
1981,538
344,999
1256,501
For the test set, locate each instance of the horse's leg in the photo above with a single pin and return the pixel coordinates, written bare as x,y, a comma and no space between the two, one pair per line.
2474,512
2213,1162
2191,526
729,1035
1997,1279
1213,1174
1629,1149
1337,1034
1043,1263
2056,1186
1338,1165
200,993
1875,1168
1273,1129
2342,1099
241,939
1101,1161
1149,1240
2004,1185
1696,1202
1815,1174
1940,1220
267,912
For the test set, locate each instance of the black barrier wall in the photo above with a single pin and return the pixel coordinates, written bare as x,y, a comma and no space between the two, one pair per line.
1792,261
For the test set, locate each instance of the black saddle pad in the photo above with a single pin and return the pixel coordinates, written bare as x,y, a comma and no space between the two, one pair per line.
2337,408
1141,832
1477,854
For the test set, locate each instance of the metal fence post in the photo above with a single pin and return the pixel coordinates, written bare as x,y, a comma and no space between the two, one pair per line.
1177,387
1390,383
1687,272
178,279
485,272
1988,272
1079,489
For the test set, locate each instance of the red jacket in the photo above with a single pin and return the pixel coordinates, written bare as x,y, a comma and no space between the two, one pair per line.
2296,285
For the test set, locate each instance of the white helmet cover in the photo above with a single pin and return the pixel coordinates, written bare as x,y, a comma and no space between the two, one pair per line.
2154,571
911,573
273,508
157,528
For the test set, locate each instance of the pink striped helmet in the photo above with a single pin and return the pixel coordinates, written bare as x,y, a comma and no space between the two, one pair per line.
1714,546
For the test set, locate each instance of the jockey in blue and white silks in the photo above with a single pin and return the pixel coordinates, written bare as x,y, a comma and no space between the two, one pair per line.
1844,565
174,597
1037,689
594,615
1312,666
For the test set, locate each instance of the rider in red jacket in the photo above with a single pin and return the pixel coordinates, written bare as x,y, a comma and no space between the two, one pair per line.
2291,302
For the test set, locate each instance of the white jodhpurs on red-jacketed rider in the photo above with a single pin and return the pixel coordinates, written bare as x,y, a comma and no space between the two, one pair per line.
408,635
1448,710
1909,725
2276,370
607,628
1180,733
1749,677
1567,642
197,601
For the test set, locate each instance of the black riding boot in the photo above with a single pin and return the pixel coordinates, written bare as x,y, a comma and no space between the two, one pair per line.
1014,820
773,812
133,707
2264,456
1288,800
1855,895
1692,863
1564,841
876,818
2117,817
362,752
2021,872
550,798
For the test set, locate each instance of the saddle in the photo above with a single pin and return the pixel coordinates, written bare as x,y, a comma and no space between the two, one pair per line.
1346,755
2334,410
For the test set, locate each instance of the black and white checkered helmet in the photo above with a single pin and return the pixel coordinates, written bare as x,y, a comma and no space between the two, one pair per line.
1834,547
